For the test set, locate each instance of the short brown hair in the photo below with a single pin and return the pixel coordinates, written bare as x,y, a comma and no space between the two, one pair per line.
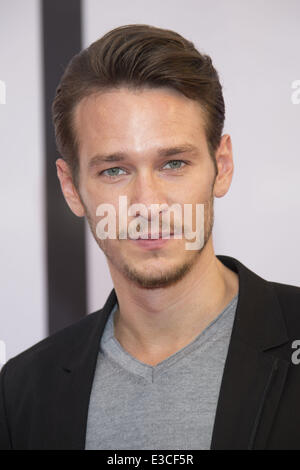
137,55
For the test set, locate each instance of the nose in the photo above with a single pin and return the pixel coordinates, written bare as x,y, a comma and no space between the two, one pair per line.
149,190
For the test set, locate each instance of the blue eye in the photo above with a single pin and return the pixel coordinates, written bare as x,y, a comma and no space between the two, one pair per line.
113,171
176,163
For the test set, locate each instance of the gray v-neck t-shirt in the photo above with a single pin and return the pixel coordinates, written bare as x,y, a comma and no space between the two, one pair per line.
171,405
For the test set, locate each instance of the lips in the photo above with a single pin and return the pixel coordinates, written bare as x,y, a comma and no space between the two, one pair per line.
156,236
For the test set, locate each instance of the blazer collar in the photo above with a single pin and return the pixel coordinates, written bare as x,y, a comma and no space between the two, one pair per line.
258,321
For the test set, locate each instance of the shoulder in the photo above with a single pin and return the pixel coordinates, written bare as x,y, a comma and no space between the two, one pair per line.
288,293
288,296
53,348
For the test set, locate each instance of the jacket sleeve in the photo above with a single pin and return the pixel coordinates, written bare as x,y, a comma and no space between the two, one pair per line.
5,441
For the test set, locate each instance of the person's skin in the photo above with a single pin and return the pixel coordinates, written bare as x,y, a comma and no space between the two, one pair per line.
168,295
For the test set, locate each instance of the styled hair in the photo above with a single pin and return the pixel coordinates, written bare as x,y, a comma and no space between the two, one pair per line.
137,56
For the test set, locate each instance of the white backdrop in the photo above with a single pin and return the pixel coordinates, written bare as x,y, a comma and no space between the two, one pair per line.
22,233
254,46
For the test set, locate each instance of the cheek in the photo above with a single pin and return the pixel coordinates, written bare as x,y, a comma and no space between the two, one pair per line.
198,193
94,195
201,188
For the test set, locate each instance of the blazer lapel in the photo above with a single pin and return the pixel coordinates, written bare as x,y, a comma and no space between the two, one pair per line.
74,384
253,376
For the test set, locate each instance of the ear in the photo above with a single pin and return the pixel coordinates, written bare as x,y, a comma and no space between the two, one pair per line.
69,191
224,160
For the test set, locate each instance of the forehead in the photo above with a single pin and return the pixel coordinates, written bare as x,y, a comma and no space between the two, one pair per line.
136,120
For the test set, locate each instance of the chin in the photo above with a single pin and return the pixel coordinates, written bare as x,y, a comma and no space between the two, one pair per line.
156,275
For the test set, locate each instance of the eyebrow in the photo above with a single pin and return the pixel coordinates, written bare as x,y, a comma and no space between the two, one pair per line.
121,156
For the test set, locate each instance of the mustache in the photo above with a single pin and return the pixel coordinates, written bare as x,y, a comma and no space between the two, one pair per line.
162,230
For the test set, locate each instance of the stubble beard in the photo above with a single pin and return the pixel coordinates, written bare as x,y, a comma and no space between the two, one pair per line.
162,278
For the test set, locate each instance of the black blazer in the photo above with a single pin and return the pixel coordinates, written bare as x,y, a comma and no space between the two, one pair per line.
45,390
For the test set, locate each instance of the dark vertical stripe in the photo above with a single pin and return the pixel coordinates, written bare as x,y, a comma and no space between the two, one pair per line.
61,22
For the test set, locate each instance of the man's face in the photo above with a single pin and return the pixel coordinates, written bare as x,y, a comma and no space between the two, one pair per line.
139,124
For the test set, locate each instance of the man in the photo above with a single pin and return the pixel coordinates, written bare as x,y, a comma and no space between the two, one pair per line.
191,350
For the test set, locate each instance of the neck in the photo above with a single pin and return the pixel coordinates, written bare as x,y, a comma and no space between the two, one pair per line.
154,323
